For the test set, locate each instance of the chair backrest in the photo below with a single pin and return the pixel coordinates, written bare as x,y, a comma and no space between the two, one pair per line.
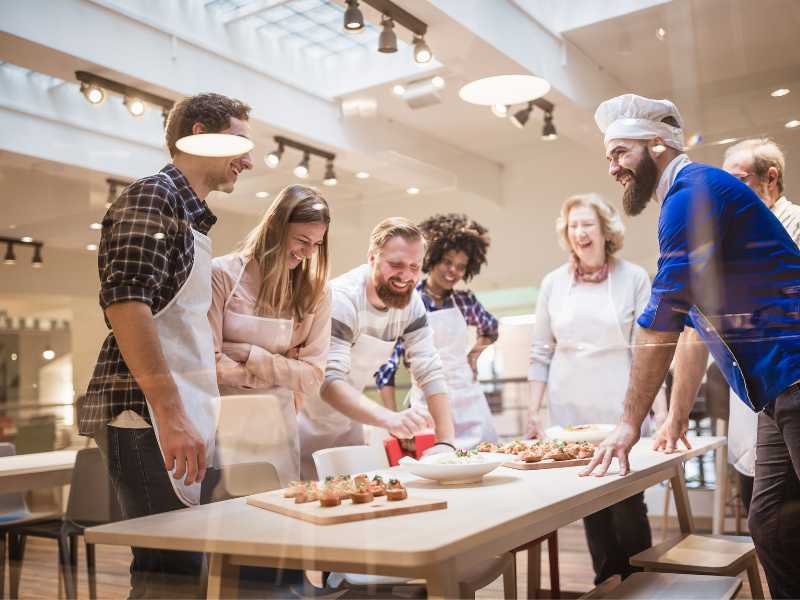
12,505
36,435
91,499
235,481
349,460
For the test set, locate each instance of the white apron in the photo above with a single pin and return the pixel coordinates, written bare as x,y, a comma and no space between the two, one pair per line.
258,425
742,433
590,368
188,346
471,415
322,426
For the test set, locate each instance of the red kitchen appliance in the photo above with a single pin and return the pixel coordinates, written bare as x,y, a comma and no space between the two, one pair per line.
397,448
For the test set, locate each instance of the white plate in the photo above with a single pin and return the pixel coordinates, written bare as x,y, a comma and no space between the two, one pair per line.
596,434
430,467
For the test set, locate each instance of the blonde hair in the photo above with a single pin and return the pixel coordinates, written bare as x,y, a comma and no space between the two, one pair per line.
765,153
282,290
392,227
610,221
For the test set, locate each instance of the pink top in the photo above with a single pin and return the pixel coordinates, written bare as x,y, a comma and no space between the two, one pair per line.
264,369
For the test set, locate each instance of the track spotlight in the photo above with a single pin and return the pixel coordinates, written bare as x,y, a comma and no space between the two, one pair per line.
10,258
301,170
353,18
37,261
134,105
519,118
422,53
273,159
330,175
94,94
500,110
387,41
548,129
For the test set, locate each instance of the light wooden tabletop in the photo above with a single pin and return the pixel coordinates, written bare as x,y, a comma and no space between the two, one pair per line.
508,506
31,471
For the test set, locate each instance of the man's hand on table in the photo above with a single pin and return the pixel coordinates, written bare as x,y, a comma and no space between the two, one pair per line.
617,445
671,431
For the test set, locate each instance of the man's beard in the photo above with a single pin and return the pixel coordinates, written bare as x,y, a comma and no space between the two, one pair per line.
388,296
641,187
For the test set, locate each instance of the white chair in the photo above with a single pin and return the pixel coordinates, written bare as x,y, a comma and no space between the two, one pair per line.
359,459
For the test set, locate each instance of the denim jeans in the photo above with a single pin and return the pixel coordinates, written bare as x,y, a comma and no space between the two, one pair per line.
616,533
136,469
774,517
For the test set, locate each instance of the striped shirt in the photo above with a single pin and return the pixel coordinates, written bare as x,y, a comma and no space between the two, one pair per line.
466,302
146,255
788,214
353,315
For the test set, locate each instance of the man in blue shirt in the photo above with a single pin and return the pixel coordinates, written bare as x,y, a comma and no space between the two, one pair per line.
728,269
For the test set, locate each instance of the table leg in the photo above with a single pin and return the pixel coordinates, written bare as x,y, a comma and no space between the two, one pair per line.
223,578
721,487
441,581
534,570
681,496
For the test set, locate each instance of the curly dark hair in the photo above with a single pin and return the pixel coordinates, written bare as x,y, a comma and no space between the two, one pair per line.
453,231
214,111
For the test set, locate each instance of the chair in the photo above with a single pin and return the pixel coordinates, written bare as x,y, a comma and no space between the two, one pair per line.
359,459
667,586
720,555
91,502
534,550
14,511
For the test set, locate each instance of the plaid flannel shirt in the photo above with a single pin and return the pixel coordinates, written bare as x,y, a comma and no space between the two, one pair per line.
474,313
146,255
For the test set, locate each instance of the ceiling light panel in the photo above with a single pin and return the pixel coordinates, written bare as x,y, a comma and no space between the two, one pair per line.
313,27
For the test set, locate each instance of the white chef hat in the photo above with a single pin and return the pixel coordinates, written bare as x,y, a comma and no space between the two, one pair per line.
632,117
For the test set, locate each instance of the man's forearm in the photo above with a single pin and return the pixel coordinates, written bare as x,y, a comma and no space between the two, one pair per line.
137,338
439,407
652,354
691,357
348,401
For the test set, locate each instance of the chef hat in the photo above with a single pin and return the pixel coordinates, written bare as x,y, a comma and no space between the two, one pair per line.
632,117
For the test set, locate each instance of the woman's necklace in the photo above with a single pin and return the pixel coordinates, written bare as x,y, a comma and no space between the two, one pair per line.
439,298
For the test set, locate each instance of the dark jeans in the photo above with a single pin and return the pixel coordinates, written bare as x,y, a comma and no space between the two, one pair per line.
774,517
616,533
136,468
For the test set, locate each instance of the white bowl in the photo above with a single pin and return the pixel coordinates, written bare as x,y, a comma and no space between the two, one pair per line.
431,467
595,433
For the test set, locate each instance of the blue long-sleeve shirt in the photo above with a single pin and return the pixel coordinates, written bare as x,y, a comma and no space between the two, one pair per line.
728,268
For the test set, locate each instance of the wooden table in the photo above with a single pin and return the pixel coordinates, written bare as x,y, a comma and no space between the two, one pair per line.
33,471
508,509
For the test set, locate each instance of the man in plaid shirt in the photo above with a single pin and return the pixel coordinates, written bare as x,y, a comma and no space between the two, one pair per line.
151,237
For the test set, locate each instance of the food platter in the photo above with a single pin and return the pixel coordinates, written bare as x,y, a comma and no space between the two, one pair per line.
592,432
454,468
531,455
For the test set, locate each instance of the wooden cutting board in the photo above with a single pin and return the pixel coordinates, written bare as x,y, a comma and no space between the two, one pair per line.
346,511
556,464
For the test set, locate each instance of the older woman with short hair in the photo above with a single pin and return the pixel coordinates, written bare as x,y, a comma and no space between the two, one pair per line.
581,355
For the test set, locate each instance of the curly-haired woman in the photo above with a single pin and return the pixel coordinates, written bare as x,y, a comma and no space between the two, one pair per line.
456,251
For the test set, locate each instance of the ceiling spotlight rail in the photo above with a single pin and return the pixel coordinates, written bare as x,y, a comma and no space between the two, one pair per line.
94,87
520,117
10,258
273,159
391,14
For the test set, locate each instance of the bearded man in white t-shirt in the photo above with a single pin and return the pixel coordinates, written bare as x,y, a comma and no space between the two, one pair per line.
373,306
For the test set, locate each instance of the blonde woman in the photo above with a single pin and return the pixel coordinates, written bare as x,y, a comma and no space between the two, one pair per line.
271,320
581,355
